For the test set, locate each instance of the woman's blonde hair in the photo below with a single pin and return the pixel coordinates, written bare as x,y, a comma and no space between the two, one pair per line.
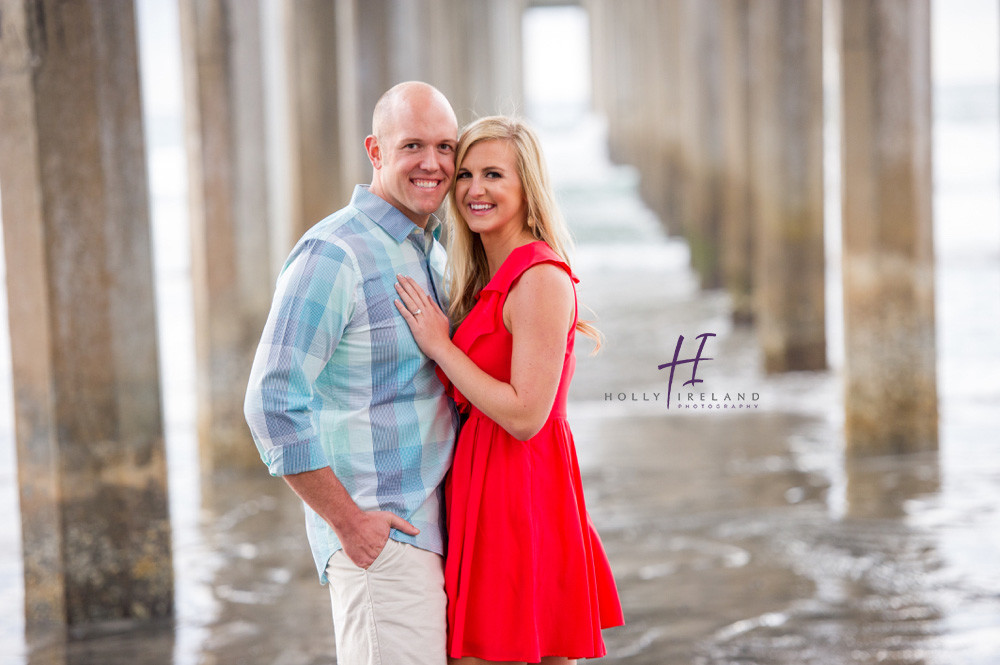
469,271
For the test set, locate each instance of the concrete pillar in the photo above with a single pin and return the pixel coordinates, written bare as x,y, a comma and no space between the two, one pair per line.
890,379
608,88
635,73
393,46
611,90
603,67
737,221
667,37
645,143
625,86
601,72
701,129
230,261
326,128
91,464
376,52
445,68
477,66
786,116
490,48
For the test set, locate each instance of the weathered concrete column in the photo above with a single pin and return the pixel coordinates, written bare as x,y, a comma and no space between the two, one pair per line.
91,464
377,52
786,103
601,72
231,275
490,45
477,66
890,378
701,129
326,130
611,79
646,28
635,73
667,36
737,221
443,59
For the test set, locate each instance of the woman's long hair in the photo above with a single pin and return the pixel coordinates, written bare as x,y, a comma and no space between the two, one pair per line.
469,270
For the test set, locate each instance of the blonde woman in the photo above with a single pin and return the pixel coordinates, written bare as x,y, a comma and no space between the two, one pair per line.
526,575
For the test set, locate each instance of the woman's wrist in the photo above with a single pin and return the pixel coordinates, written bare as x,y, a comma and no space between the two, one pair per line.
439,351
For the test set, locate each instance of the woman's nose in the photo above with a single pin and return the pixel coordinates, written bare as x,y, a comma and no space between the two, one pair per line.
475,186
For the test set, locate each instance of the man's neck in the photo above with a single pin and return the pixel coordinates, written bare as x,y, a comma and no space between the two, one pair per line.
419,220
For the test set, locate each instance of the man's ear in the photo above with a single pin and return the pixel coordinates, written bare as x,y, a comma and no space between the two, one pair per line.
374,151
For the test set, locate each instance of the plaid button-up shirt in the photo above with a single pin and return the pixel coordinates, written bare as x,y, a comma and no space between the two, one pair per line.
339,381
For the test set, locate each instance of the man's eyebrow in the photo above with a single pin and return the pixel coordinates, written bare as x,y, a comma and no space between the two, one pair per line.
414,139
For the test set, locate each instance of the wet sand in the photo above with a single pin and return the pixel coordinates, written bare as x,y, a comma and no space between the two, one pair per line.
736,535
744,536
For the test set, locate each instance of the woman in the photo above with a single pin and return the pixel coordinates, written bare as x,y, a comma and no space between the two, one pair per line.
526,574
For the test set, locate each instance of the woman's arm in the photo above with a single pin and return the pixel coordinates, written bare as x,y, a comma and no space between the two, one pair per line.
539,311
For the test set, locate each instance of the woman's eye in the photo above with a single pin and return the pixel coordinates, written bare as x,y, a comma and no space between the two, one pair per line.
462,175
493,174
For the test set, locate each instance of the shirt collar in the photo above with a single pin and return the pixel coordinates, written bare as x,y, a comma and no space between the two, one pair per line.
387,216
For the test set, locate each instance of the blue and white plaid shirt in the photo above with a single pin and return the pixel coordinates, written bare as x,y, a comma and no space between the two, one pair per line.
339,381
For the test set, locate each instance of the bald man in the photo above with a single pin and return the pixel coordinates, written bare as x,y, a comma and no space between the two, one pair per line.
346,408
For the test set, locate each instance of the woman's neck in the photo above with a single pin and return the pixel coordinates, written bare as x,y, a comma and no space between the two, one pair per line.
498,248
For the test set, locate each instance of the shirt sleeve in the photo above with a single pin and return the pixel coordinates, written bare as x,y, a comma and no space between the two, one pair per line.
313,303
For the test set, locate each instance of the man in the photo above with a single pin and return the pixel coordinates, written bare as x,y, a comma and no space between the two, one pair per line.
344,406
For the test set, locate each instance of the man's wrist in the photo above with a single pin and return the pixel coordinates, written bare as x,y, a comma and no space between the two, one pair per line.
347,522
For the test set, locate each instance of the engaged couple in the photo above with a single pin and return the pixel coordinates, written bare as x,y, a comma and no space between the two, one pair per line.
440,541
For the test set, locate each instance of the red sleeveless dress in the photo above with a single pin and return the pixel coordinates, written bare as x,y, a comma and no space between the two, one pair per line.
526,574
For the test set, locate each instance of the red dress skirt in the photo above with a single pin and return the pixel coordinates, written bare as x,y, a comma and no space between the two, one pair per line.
526,574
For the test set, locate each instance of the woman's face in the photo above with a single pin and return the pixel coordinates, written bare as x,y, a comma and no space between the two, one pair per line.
488,189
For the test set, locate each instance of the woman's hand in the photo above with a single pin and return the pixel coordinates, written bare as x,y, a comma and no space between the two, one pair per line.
429,325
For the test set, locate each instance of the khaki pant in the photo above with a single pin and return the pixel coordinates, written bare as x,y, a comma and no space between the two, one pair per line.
394,613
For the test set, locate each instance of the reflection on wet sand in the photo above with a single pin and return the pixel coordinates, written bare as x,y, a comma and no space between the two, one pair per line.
749,538
735,537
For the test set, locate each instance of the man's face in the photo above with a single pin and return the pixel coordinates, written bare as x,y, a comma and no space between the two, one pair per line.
414,159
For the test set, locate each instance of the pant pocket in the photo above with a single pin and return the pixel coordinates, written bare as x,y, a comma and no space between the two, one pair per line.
388,550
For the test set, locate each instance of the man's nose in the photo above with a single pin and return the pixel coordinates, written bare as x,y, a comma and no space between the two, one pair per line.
430,160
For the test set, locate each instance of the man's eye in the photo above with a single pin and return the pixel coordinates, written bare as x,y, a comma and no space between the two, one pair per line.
411,146
444,147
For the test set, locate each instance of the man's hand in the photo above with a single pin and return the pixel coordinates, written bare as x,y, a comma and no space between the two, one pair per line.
362,534
369,533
